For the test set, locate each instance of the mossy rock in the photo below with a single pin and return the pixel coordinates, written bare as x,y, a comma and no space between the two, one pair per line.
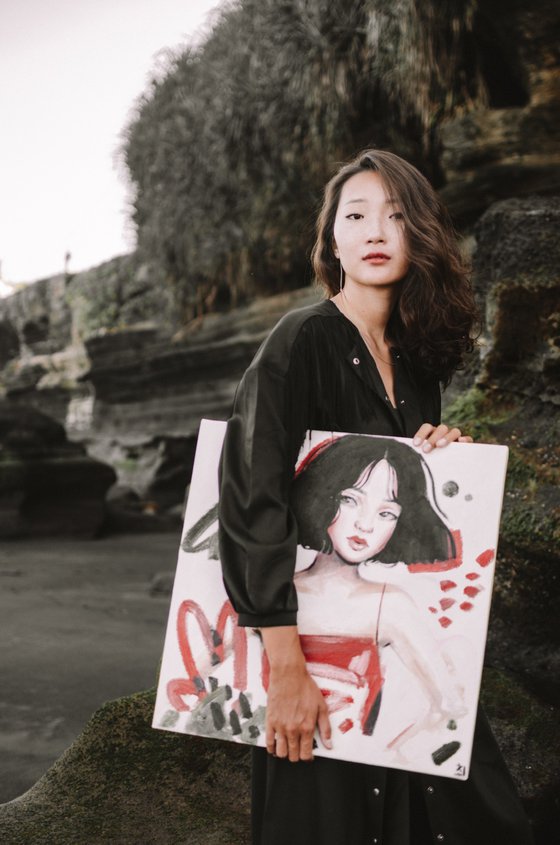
531,512
528,733
124,783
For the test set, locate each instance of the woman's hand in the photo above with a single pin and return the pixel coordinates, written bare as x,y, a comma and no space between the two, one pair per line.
295,703
431,436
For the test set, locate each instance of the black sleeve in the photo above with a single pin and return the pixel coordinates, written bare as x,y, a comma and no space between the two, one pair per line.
257,531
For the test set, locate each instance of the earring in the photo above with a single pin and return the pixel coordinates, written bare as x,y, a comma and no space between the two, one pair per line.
341,280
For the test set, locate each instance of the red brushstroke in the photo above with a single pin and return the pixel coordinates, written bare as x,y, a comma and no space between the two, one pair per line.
466,605
331,658
447,585
398,736
346,726
314,453
445,604
471,592
445,621
433,609
486,557
443,565
336,700
193,684
472,576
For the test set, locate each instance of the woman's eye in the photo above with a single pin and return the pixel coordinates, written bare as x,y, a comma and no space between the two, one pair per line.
397,215
390,516
354,216
348,500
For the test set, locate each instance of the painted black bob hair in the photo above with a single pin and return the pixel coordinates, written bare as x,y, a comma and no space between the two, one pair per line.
420,535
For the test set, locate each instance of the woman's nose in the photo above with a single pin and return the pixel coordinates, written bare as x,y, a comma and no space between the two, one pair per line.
376,231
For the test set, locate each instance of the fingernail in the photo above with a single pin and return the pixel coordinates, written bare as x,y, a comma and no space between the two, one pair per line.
417,441
328,744
427,447
442,442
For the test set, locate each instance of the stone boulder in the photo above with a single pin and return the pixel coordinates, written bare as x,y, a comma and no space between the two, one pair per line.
517,274
123,782
48,486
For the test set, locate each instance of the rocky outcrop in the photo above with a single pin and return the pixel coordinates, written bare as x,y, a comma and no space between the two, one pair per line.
48,486
123,782
507,144
134,394
515,401
517,270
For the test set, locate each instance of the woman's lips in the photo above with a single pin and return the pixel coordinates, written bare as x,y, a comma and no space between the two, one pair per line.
357,543
376,258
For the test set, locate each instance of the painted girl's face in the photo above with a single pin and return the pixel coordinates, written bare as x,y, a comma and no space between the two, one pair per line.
367,515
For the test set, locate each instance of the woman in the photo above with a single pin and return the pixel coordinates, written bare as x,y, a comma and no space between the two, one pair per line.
370,359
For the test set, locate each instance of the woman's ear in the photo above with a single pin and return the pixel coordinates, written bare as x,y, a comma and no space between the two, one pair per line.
335,250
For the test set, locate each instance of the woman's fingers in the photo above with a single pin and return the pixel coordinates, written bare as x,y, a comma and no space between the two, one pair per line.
429,437
424,431
293,713
281,746
324,725
295,745
306,747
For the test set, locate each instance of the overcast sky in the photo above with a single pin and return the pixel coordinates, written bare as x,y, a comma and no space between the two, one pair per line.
70,71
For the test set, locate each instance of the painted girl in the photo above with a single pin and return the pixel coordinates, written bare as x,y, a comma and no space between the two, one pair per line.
363,502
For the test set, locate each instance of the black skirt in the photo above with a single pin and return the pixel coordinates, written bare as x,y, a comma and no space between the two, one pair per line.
332,802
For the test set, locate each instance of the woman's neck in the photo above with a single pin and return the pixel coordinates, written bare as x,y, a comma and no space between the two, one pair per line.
369,309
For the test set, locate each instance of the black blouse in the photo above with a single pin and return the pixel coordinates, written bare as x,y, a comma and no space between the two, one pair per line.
313,372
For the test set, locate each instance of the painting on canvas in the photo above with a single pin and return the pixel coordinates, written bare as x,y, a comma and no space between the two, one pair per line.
394,576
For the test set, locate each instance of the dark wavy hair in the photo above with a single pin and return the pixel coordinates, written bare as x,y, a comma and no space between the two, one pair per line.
435,314
420,535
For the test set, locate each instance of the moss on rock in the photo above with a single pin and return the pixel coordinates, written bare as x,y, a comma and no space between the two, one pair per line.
528,733
124,782
531,513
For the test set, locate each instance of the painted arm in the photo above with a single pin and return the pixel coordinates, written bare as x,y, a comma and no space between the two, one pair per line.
402,627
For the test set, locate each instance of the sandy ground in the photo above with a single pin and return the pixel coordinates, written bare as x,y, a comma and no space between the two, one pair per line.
79,627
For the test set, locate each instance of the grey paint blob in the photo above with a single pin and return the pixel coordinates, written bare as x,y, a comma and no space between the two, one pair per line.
450,488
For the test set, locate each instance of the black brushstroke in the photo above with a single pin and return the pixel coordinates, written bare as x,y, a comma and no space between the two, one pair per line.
235,723
246,711
200,527
217,715
372,716
445,752
199,683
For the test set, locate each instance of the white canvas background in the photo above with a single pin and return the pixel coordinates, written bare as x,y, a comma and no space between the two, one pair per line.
407,730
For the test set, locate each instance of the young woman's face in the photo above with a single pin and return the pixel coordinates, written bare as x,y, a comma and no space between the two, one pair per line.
369,236
367,515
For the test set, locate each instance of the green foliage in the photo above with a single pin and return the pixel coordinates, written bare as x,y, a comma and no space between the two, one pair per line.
228,151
